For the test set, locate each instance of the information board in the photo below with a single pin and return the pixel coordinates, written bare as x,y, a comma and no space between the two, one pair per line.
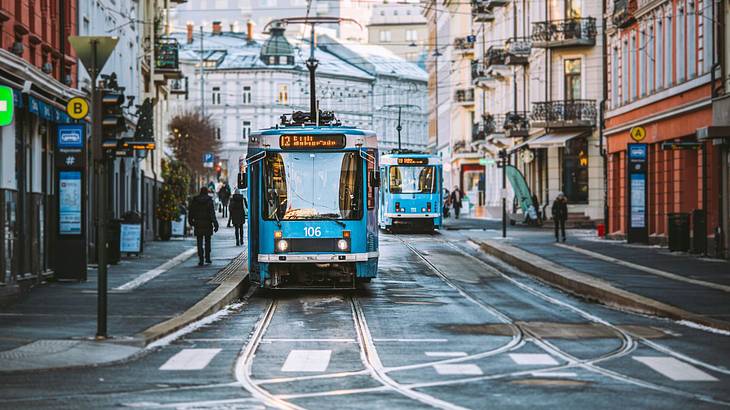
178,227
130,238
69,203
637,230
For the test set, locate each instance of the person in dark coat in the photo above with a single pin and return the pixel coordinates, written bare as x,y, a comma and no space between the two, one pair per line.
202,219
224,194
237,209
456,197
560,215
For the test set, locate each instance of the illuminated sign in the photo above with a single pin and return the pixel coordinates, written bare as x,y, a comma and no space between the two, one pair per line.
312,141
412,161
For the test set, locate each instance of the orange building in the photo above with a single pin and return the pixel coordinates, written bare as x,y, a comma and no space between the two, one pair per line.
660,57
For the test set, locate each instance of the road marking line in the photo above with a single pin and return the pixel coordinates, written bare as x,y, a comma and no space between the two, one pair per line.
412,340
151,274
445,354
190,359
308,340
646,269
530,359
555,374
675,369
307,361
462,369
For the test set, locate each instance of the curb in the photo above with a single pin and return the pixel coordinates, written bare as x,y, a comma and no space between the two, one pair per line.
590,287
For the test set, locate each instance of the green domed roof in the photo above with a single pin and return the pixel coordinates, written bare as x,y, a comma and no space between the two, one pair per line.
277,44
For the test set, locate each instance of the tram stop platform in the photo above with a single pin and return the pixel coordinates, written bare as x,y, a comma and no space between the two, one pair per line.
149,298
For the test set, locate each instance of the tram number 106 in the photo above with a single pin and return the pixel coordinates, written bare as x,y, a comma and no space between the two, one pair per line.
312,231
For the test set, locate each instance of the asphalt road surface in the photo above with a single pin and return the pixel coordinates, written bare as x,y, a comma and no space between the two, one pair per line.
443,326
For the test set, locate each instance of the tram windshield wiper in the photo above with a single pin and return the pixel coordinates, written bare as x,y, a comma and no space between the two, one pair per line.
333,219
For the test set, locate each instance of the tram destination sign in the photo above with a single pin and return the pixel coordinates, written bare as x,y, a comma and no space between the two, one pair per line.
312,142
412,161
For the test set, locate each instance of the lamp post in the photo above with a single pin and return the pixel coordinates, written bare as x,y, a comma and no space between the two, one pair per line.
399,128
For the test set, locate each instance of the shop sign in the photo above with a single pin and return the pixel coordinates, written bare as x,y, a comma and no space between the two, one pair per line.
6,106
638,133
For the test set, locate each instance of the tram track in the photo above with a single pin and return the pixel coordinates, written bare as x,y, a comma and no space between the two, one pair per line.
628,342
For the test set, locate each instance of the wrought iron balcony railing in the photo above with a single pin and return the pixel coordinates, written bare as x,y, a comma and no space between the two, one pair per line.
496,3
517,51
464,95
564,33
624,12
481,12
494,56
478,71
166,53
516,124
563,113
461,44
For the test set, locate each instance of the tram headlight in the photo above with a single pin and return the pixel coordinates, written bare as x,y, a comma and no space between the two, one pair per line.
282,245
423,209
343,244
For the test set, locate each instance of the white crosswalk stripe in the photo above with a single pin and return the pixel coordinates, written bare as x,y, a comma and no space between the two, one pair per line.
532,359
190,359
445,354
675,369
307,361
460,369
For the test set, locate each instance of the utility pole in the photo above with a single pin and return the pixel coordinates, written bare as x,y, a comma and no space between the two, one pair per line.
503,162
399,128
202,77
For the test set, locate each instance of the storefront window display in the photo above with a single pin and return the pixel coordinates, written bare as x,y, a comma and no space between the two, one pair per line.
575,170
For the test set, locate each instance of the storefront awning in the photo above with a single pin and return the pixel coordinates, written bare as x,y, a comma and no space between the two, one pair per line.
554,139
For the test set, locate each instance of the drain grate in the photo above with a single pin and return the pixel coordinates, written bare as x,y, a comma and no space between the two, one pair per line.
229,270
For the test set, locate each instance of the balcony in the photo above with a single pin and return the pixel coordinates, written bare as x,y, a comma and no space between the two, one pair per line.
516,124
495,3
495,63
166,58
462,46
464,96
564,114
517,51
624,13
481,12
480,77
564,33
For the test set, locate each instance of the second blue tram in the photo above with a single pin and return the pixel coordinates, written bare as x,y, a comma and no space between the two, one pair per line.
312,194
411,194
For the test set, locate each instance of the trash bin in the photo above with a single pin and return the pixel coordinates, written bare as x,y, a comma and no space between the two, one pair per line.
679,232
112,253
601,230
699,231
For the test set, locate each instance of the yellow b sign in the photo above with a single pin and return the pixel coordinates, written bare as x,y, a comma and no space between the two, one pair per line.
638,133
77,108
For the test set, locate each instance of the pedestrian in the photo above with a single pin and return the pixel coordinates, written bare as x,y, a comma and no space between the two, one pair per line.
202,219
447,202
224,195
237,210
456,197
560,215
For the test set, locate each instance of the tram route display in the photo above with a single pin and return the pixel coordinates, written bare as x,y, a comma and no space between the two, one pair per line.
412,161
324,141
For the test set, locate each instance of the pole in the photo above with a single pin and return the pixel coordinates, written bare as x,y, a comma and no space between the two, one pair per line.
101,199
399,128
312,66
504,190
202,77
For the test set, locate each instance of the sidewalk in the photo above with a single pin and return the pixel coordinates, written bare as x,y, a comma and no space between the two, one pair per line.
55,324
643,278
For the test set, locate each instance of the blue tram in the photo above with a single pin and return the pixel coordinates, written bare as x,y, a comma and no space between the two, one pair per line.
411,195
312,194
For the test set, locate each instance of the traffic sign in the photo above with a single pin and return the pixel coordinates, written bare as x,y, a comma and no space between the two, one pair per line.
208,160
77,108
638,133
6,106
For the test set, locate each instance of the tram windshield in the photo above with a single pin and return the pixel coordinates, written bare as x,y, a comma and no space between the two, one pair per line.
306,185
412,180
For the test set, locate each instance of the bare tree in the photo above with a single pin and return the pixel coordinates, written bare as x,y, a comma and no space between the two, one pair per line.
191,136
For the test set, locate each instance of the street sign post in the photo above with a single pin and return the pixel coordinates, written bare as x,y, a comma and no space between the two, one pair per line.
6,106
208,160
637,230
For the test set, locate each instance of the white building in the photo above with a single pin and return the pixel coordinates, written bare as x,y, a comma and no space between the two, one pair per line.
250,83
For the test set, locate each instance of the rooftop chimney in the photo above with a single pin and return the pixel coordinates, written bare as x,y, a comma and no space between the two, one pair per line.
190,33
216,28
249,31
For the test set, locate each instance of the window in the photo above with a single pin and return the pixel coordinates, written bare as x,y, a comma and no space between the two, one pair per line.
708,35
218,134
680,46
572,79
283,94
632,68
246,94
651,60
385,36
659,67
625,72
643,51
575,170
245,130
614,78
691,18
572,9
216,95
411,35
668,65
412,180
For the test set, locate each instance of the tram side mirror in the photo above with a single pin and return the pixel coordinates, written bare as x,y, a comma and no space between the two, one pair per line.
242,181
375,178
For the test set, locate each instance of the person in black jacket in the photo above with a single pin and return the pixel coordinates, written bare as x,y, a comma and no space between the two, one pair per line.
237,210
202,219
560,215
224,194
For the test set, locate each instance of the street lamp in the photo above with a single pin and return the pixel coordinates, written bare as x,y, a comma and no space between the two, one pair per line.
399,128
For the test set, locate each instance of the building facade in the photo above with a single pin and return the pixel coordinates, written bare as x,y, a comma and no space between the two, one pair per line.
660,59
401,28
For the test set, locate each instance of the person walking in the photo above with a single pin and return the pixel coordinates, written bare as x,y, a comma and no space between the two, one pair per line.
224,195
560,215
237,210
202,219
456,197
447,202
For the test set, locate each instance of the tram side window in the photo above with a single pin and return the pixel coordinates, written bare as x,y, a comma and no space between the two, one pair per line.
276,198
395,180
349,192
371,188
